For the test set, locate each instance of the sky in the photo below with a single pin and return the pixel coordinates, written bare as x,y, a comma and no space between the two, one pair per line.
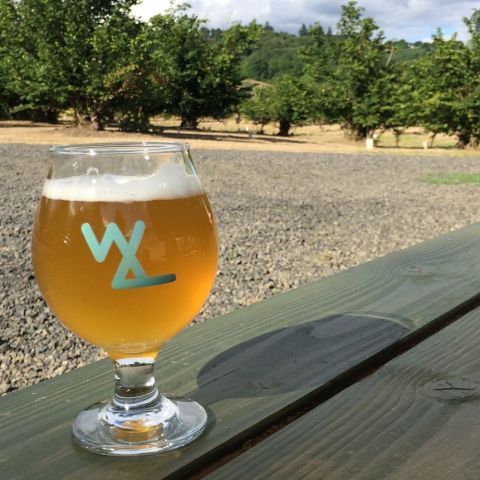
411,20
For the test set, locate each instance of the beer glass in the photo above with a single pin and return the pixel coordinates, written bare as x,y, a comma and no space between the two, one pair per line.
125,254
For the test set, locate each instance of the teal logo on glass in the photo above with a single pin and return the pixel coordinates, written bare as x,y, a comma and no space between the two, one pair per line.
128,249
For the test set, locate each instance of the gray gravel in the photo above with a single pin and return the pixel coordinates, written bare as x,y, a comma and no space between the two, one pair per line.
284,219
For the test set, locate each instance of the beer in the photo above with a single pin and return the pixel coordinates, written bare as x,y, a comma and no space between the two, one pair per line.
125,262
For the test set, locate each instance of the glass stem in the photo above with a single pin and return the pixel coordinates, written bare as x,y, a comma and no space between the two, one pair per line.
135,385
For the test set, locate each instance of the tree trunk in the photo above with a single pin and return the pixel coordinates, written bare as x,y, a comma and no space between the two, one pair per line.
189,122
80,119
360,132
284,128
99,124
397,132
377,135
48,116
463,139
76,117
355,132
51,116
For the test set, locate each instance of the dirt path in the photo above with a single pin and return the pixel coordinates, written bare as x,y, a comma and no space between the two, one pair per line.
225,136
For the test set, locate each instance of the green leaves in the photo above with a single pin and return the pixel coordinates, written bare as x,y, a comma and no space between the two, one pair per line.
275,53
359,86
439,84
62,53
199,74
258,107
346,69
93,57
286,101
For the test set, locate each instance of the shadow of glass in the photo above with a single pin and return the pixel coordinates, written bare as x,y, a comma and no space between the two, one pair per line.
299,357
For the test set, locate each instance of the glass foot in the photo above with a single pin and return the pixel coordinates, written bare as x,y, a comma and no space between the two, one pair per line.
166,424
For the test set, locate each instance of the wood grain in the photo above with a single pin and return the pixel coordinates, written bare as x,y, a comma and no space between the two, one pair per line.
418,417
256,365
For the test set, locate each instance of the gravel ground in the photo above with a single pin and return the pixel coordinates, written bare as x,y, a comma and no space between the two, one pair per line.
284,219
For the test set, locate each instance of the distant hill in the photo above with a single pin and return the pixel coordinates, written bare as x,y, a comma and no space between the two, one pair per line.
405,51
277,53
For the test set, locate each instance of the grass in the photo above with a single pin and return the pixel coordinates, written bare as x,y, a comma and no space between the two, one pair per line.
452,179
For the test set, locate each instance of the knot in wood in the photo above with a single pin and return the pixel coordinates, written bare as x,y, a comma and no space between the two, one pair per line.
452,389
417,270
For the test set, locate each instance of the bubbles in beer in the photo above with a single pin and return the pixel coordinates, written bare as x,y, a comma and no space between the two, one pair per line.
170,181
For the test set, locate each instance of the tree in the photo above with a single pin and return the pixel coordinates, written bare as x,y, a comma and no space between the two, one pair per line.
285,101
39,76
303,32
442,82
55,62
347,68
472,99
86,33
290,103
376,110
267,26
118,82
398,107
258,107
9,45
198,75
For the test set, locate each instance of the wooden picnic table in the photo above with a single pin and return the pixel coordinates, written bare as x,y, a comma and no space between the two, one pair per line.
372,373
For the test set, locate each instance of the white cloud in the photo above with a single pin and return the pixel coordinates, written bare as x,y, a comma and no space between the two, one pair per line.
409,19
148,8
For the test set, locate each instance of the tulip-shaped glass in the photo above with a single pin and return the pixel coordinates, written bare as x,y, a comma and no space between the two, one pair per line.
125,254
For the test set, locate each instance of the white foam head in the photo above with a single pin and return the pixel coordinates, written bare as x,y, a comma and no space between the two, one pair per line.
170,181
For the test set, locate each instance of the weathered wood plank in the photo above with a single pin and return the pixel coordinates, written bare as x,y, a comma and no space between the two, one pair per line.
418,417
255,365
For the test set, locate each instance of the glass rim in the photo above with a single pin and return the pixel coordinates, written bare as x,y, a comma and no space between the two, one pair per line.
123,148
